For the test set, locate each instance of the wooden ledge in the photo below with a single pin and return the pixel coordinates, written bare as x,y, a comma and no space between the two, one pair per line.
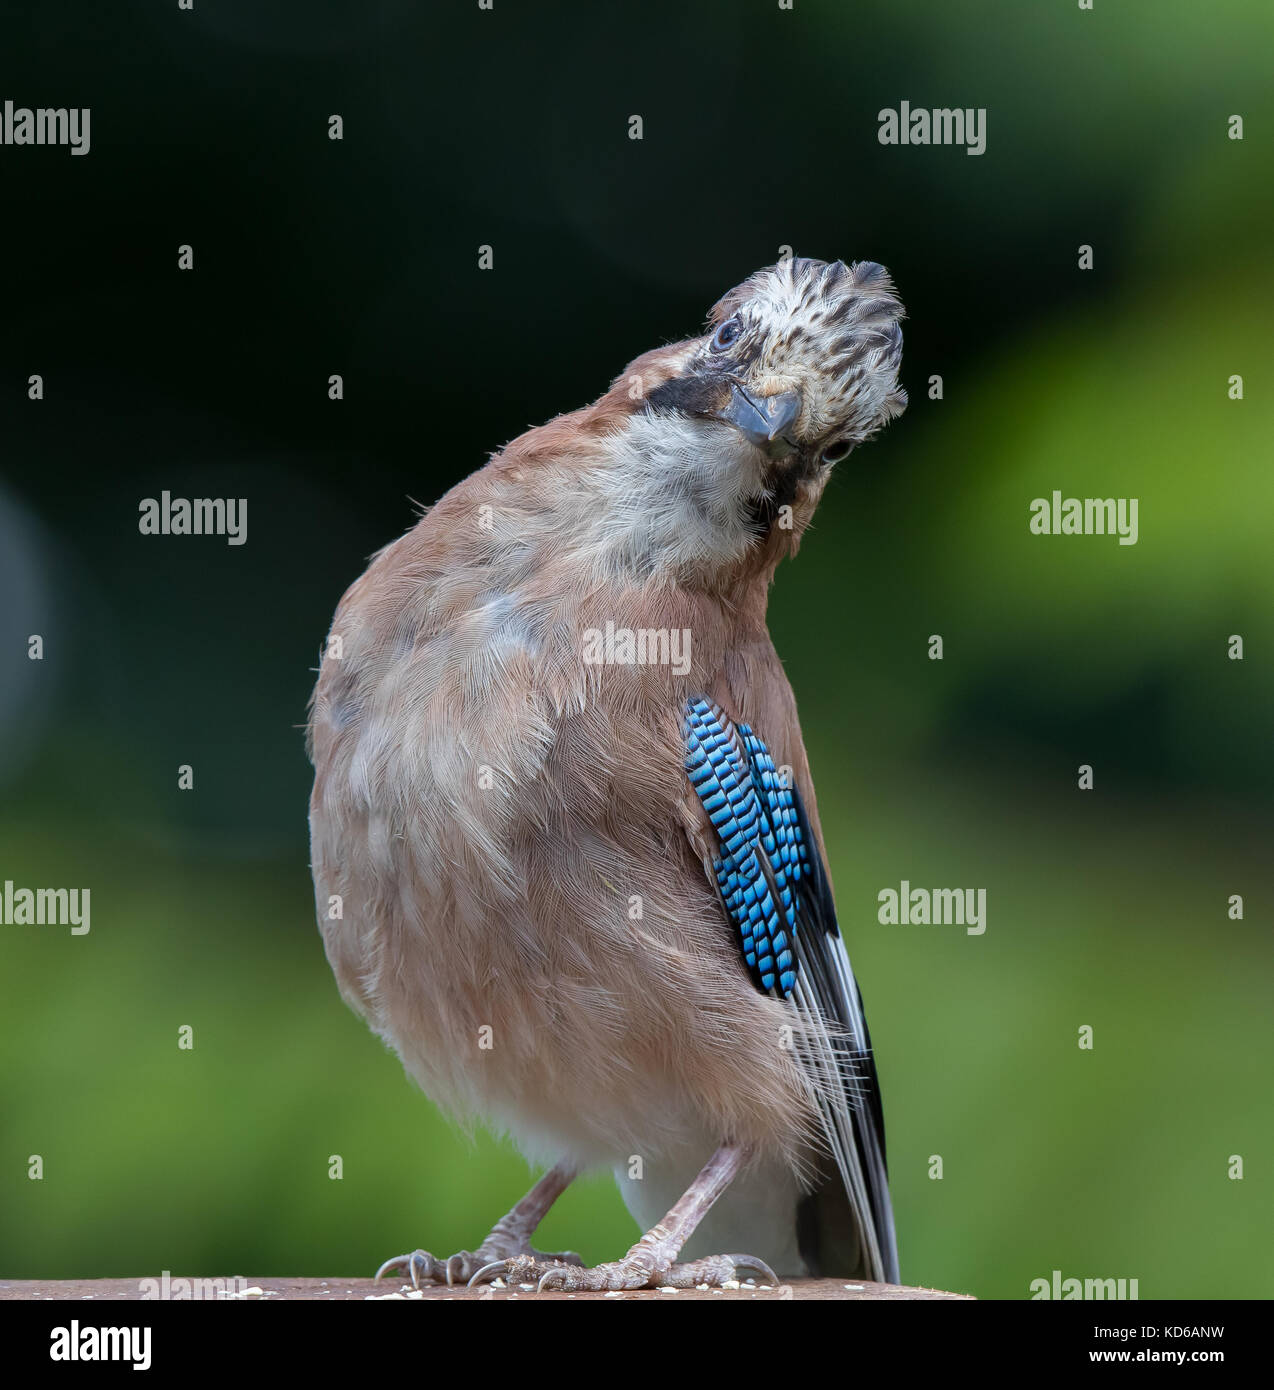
391,1290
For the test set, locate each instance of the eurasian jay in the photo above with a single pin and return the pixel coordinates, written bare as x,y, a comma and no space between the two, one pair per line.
566,851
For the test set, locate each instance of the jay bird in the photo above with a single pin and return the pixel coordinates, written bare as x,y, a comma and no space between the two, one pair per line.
579,886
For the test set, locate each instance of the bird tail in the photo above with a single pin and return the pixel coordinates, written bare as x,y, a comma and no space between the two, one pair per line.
845,1223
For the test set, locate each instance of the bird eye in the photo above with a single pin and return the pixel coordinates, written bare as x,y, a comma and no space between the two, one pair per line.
727,334
836,451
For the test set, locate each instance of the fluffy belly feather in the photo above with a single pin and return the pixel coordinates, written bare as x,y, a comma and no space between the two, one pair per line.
522,914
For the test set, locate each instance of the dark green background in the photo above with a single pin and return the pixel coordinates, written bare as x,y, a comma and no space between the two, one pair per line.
1105,908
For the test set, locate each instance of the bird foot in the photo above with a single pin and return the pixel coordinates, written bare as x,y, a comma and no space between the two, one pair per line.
423,1268
639,1269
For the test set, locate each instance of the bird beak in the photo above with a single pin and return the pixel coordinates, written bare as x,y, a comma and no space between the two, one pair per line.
765,420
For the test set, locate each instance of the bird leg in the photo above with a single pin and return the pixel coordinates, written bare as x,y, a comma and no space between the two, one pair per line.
510,1238
653,1260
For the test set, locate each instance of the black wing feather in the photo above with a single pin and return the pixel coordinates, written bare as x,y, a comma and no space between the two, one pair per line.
773,885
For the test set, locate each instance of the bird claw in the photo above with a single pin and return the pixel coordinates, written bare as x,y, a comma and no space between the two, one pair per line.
423,1268
738,1267
489,1273
420,1266
527,1268
637,1271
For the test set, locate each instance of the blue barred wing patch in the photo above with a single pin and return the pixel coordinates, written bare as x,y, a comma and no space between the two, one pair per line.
762,855
773,884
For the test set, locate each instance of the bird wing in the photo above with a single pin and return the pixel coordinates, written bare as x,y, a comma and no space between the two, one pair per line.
769,872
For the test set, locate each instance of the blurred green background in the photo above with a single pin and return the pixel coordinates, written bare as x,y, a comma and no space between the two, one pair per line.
509,128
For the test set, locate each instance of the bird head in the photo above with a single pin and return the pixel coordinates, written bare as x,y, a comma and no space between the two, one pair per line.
705,460
799,366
